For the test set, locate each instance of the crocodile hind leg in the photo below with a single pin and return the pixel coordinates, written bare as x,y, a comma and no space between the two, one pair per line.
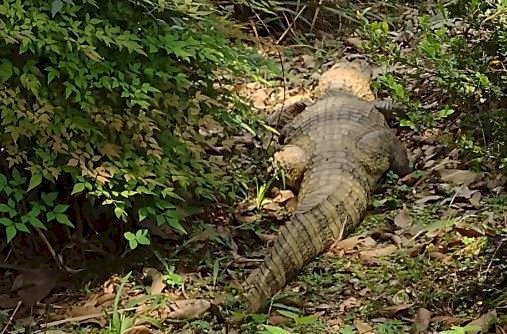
384,151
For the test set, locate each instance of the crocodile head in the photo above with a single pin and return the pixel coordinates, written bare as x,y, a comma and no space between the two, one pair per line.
353,77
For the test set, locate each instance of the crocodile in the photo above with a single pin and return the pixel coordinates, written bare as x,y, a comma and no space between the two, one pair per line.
334,153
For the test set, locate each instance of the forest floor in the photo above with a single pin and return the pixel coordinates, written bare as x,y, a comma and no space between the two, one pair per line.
430,255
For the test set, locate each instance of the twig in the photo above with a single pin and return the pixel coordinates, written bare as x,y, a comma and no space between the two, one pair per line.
315,16
9,322
290,25
50,248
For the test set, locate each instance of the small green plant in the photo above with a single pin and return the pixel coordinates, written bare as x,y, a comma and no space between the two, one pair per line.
119,322
140,238
390,327
173,279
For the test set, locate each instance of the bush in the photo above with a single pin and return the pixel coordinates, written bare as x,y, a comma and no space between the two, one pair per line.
116,102
453,61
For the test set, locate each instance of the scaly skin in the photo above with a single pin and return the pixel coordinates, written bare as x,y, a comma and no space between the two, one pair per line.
346,147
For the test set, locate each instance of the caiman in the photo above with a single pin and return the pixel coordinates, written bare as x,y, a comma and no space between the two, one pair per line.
334,152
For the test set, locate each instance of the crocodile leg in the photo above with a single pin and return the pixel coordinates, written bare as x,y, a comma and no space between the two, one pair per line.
383,147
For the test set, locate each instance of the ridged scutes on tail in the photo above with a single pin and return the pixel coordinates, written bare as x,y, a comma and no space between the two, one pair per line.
303,238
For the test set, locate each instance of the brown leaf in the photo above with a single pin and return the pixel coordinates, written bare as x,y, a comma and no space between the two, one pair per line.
189,309
458,176
377,252
283,196
362,327
468,232
138,330
475,200
448,320
465,192
402,219
259,98
271,206
422,321
346,244
157,280
393,309
429,198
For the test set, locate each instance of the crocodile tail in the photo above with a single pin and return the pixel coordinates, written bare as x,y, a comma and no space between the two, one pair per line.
303,238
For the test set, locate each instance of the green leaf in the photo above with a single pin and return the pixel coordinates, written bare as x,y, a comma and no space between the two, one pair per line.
60,208
49,198
174,223
129,236
78,187
63,219
36,222
35,181
5,70
143,213
56,6
133,243
118,212
50,216
35,211
11,232
22,227
6,221
141,237
274,330
310,319
288,314
4,208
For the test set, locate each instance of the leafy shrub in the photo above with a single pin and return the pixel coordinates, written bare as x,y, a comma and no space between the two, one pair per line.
452,59
117,102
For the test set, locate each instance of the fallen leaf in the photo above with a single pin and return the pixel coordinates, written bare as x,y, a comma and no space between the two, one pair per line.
377,252
362,327
259,98
157,280
458,176
188,309
448,320
393,309
349,303
138,330
464,192
468,232
271,206
422,321
402,219
429,198
283,196
475,200
346,244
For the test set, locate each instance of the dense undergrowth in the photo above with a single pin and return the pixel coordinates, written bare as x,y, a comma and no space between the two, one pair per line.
446,62
110,111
